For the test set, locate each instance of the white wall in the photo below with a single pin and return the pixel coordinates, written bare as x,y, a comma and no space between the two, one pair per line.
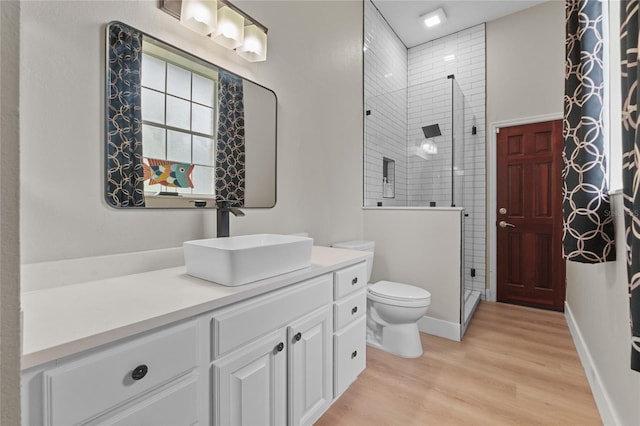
525,63
385,77
420,247
313,65
9,215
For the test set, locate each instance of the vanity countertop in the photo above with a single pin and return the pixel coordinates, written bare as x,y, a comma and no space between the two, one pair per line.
66,320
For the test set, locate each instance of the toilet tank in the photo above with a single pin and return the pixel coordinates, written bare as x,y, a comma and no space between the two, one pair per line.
361,245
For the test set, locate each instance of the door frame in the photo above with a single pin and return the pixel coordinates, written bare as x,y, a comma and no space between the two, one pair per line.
492,191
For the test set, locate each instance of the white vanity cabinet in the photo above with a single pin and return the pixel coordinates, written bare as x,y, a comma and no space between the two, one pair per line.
154,377
349,313
256,378
276,352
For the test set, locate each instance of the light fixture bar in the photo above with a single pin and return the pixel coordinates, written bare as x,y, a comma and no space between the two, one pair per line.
172,7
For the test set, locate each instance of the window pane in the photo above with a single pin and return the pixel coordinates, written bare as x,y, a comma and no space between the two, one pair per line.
153,142
202,119
203,180
178,82
178,113
204,151
178,147
152,106
202,90
153,71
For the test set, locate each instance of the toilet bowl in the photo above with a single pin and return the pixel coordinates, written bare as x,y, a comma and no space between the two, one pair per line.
393,310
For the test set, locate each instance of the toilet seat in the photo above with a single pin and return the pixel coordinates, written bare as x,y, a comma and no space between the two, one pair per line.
398,294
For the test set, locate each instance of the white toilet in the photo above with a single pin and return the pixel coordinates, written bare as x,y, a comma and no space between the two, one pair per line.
393,310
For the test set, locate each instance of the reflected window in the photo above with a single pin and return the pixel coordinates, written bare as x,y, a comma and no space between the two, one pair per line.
179,99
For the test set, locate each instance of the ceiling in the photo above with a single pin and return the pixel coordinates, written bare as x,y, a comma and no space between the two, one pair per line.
404,16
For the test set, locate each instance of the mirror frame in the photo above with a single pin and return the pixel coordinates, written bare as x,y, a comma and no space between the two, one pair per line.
178,51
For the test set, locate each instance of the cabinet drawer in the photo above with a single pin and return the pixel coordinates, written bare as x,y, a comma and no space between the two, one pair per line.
349,355
350,279
349,309
175,405
83,388
241,323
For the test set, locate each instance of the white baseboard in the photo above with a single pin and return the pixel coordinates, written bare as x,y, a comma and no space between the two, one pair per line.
490,295
440,328
607,411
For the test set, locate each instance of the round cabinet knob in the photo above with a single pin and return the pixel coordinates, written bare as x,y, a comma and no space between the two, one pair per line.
280,347
298,336
354,310
354,281
139,372
354,354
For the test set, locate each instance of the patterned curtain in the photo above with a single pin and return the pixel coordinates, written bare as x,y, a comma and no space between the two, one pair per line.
630,170
588,234
230,146
125,185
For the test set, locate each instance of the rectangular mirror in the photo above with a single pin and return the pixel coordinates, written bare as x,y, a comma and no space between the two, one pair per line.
182,132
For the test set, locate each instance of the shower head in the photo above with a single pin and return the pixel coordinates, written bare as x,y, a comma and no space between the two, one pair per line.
431,131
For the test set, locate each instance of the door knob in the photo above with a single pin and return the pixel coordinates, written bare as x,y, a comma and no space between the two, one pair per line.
504,224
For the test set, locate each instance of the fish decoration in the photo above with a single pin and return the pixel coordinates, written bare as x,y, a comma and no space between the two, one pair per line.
168,173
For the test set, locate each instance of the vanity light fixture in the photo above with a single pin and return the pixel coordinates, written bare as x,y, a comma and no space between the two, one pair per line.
230,30
254,48
199,15
225,23
434,18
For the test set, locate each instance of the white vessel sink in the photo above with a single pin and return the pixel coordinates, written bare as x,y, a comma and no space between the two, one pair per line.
234,261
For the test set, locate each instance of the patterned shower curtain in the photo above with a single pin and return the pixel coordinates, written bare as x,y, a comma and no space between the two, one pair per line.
125,184
230,146
588,234
630,162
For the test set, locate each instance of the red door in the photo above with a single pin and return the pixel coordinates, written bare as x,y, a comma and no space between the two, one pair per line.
531,270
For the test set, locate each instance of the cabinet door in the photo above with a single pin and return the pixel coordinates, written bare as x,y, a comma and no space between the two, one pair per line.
350,347
250,385
310,366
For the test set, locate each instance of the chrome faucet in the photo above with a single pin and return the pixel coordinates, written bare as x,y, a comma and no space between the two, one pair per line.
222,222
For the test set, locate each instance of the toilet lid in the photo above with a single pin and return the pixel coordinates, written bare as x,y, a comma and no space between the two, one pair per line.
397,291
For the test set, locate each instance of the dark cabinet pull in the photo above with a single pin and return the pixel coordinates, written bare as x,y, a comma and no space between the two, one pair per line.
139,372
354,354
298,336
354,310
280,347
354,281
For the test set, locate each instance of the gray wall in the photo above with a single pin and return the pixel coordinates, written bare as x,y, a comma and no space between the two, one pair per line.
9,217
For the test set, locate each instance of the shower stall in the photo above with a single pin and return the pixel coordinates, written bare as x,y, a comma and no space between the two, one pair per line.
421,147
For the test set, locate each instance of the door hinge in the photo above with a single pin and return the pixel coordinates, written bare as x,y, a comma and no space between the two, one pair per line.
497,129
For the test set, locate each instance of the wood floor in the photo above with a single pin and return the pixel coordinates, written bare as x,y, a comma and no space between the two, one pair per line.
515,366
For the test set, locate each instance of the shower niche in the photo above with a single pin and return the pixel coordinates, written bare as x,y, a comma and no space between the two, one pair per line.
388,178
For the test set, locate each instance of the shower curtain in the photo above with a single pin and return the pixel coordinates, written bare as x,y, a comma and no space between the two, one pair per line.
630,161
588,234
